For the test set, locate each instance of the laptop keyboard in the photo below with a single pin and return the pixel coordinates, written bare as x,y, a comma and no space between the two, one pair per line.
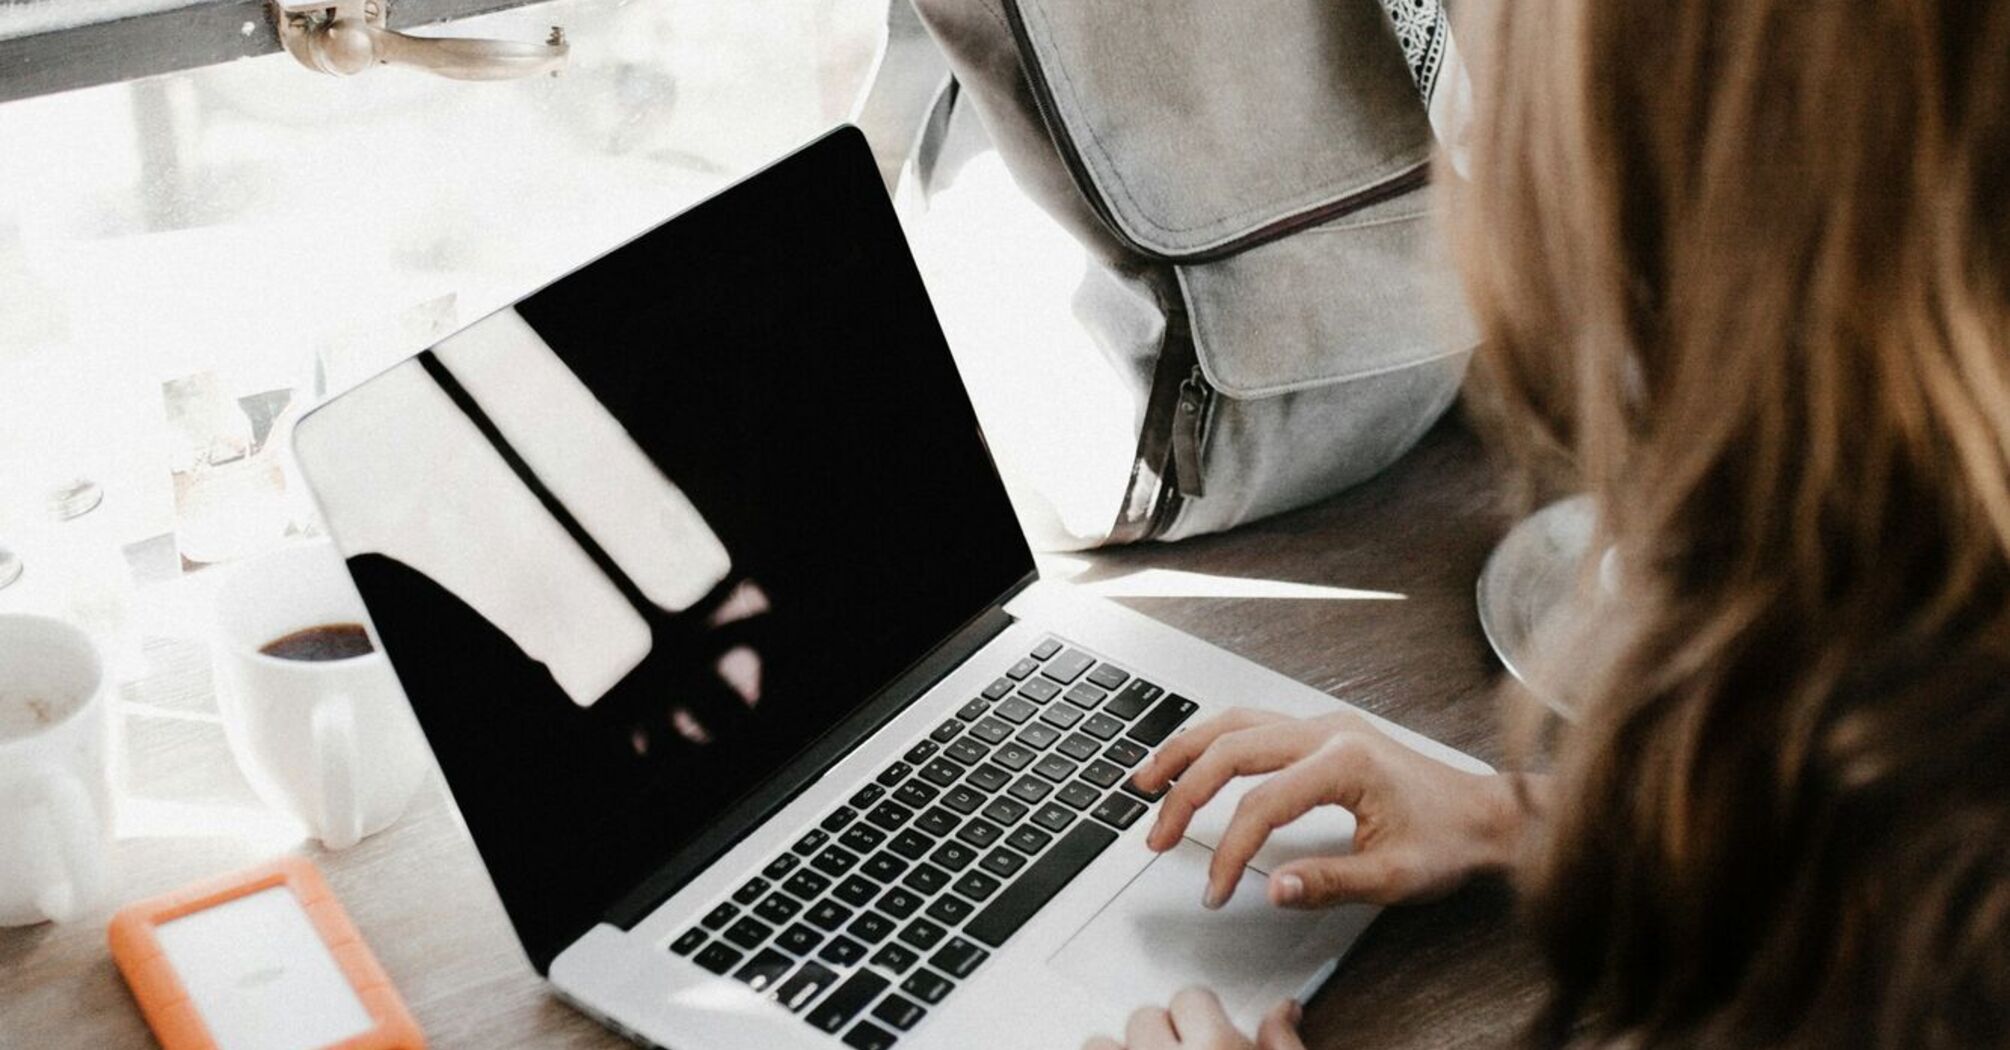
877,912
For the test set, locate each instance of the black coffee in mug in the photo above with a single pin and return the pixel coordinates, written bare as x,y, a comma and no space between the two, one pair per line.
328,641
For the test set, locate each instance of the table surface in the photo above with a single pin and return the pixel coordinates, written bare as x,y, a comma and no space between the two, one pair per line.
1455,973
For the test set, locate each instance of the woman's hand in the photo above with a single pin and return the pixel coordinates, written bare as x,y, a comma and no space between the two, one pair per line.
1421,827
1196,1021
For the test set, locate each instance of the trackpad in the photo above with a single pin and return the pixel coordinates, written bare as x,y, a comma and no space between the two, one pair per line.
1155,938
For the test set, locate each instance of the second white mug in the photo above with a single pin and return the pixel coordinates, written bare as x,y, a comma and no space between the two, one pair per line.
327,737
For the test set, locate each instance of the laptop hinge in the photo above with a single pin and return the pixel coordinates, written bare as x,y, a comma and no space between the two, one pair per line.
741,818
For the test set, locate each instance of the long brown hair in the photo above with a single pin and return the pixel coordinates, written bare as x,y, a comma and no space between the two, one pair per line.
1745,264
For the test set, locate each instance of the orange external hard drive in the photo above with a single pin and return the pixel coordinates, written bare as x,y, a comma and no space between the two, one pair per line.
261,960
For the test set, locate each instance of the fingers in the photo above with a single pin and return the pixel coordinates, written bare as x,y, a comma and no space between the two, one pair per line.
1333,775
1176,754
1199,1020
1242,752
1321,882
1150,1028
1279,1030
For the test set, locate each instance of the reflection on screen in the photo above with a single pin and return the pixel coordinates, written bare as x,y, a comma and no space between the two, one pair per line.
636,543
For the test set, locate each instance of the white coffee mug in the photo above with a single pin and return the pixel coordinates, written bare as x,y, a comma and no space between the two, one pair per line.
331,741
55,788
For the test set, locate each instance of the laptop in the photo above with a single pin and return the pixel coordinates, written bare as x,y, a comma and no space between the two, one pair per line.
713,610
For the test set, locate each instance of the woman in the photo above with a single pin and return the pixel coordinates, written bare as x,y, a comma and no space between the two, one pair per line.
1746,264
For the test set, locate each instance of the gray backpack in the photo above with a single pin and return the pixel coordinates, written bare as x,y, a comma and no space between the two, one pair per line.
1254,175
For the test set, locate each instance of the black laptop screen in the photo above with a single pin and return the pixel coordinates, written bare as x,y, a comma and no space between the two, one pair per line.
634,544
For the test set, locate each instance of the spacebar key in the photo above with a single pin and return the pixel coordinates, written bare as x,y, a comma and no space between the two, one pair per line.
1003,917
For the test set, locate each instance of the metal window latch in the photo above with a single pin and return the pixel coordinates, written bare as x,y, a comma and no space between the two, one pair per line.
345,37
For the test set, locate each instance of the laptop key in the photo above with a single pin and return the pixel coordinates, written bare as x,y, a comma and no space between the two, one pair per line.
806,884
1119,810
1068,666
989,778
967,751
1108,677
781,865
959,958
1082,694
1079,746
1038,735
923,934
843,951
884,866
1021,669
926,878
1039,690
1062,716
870,927
953,856
868,1036
838,818
911,844
751,892
1126,753
898,902
941,772
938,821
1079,795
861,838
991,730
889,815
719,916
1054,817
997,689
1029,839
799,939
895,958
1004,811
857,891
689,942
975,709
1133,699
1015,710
748,933
921,752
828,915
808,983
864,797
718,957
1003,862
914,794
1103,773
899,1011
1102,726
1039,883
1160,721
927,987
947,731
765,969
1149,796
1046,649
850,999
1056,768
1014,757
962,798
980,832
949,909
976,885
778,908
894,774
1030,789
811,841
834,860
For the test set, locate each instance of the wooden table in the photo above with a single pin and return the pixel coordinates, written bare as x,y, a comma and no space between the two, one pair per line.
1448,974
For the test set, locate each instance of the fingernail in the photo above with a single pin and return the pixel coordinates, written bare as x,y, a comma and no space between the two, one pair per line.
1297,1012
1214,899
1290,889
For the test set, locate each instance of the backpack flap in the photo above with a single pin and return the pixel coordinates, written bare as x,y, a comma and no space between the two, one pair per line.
1198,128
